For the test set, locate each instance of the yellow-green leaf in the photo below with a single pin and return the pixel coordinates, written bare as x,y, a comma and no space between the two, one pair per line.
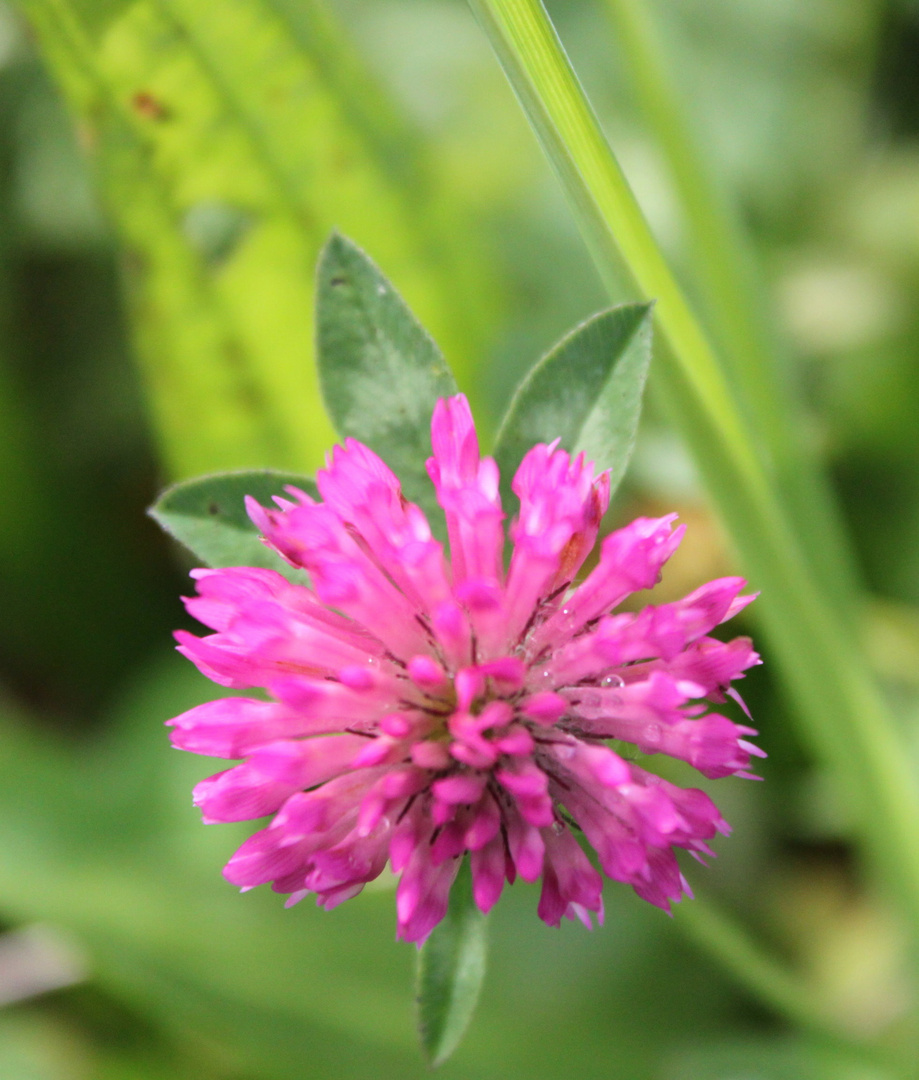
229,138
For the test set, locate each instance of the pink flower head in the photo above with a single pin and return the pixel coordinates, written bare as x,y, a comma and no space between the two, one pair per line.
421,708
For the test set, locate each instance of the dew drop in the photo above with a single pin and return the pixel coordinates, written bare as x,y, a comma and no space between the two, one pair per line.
612,680
545,675
558,828
652,735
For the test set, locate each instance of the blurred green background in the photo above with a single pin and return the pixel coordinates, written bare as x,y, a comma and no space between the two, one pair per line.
168,171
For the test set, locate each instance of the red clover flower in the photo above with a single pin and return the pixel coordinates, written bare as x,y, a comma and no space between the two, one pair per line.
421,708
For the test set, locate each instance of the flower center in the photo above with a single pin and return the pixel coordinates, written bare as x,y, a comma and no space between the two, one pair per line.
468,718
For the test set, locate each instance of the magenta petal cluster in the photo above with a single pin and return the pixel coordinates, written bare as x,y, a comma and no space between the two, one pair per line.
420,708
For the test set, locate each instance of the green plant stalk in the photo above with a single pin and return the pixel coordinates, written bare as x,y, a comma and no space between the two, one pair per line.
721,267
838,707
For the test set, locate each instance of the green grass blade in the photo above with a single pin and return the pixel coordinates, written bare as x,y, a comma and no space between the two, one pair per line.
837,705
722,268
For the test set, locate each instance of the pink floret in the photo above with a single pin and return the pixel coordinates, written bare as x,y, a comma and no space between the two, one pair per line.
420,708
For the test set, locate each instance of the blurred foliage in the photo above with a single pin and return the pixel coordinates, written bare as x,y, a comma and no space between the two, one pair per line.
229,140
215,145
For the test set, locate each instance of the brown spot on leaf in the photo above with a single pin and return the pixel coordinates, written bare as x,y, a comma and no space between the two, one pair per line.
149,106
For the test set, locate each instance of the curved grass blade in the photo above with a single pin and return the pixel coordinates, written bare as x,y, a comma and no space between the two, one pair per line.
839,707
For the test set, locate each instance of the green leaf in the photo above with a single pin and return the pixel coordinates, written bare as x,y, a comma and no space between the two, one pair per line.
228,140
451,967
208,515
380,371
586,392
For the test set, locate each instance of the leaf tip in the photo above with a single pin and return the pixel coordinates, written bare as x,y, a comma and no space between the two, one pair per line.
158,509
336,250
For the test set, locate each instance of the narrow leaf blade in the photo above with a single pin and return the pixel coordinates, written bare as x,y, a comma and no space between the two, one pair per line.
208,515
451,967
380,372
586,392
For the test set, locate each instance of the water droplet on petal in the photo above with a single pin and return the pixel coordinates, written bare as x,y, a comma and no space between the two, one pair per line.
612,680
652,735
558,828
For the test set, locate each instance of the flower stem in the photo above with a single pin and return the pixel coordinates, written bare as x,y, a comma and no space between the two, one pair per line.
837,704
